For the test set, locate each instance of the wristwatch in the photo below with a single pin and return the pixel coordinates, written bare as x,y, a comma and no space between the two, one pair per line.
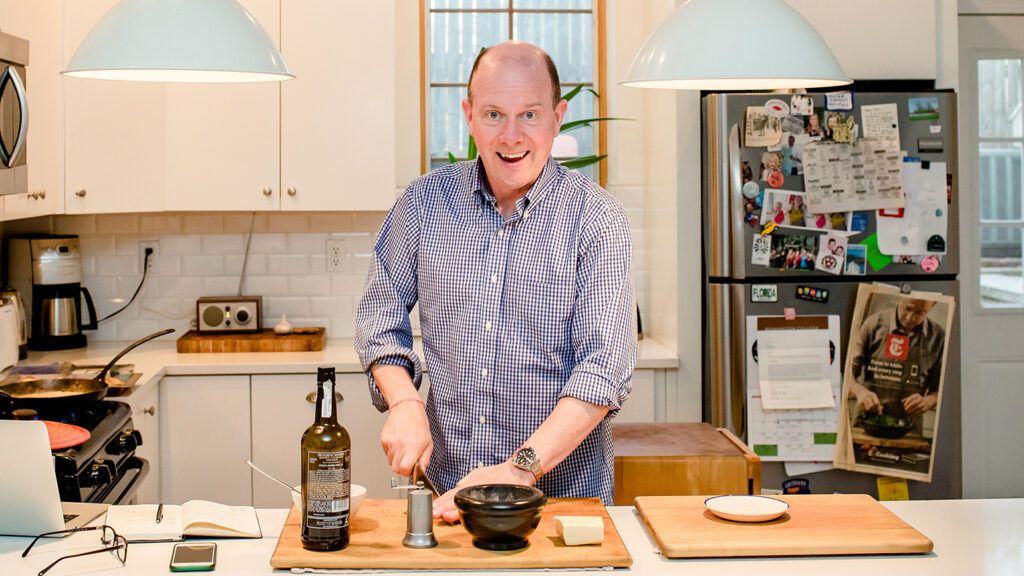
526,459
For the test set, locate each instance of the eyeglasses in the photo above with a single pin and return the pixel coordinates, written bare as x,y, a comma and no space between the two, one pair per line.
114,542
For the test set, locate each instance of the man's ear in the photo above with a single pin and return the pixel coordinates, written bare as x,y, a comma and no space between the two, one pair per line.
560,109
467,113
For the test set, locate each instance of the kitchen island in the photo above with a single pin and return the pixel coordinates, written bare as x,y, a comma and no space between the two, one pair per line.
972,537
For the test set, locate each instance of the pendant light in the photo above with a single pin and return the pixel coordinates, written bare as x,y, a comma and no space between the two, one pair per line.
178,41
735,45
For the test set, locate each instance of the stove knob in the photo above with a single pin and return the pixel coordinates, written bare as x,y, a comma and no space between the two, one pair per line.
125,442
101,472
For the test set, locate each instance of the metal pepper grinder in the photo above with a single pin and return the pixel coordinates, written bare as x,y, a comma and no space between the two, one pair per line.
419,527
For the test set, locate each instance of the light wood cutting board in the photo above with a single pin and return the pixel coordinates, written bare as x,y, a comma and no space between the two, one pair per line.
814,525
377,532
265,340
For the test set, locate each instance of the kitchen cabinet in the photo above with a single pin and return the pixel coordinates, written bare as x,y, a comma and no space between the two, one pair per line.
205,439
145,406
283,407
115,135
36,21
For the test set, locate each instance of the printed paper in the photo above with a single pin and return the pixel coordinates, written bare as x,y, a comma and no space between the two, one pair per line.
761,129
861,176
793,369
881,121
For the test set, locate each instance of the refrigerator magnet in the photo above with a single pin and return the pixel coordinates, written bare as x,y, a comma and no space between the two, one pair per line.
923,108
839,100
760,251
930,264
761,129
812,294
776,108
762,293
801,104
775,179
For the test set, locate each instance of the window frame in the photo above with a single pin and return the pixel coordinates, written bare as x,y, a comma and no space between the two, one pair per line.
599,84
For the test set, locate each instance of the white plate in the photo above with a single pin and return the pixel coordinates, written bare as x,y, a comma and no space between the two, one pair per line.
746,508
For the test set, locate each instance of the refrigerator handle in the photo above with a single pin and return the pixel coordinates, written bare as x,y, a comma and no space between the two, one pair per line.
738,359
722,180
726,370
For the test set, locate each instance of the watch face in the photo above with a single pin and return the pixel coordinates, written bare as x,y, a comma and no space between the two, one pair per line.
526,457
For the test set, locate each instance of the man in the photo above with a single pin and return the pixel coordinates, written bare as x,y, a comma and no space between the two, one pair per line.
897,360
521,270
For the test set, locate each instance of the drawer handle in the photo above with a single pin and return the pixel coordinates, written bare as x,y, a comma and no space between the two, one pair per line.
151,411
80,193
268,191
311,397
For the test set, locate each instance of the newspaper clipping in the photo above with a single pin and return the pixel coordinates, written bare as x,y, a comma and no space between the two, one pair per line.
892,383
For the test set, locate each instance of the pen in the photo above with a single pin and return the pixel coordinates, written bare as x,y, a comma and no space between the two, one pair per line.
159,513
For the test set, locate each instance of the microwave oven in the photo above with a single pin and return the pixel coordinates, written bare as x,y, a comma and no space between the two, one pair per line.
13,114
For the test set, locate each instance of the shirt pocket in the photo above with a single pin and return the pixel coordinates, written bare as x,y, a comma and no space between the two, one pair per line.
552,310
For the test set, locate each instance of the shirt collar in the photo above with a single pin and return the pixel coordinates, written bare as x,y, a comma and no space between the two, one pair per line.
482,192
895,326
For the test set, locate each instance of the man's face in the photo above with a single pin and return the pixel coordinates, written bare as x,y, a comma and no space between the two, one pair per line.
912,313
514,121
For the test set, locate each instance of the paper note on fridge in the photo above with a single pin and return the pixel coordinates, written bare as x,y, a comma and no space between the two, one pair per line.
881,121
793,369
922,229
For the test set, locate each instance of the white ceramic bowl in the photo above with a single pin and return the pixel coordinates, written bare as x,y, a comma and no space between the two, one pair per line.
356,497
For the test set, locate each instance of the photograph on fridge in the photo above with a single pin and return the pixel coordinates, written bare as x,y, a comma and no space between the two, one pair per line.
788,209
760,128
892,383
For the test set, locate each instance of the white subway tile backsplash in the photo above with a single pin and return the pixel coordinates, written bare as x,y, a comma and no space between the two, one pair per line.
287,264
348,284
181,286
317,263
307,243
256,265
266,285
309,285
97,244
274,307
268,244
331,306
165,265
220,285
223,244
342,327
102,287
117,223
126,244
119,266
185,244
202,265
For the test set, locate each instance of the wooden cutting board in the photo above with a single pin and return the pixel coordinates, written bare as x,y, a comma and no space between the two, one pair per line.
301,340
814,525
377,532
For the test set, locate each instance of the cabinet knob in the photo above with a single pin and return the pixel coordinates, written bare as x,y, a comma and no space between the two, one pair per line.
33,195
292,191
150,411
311,397
268,191
80,193
41,194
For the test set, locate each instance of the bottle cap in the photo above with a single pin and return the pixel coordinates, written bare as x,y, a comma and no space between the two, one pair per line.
325,371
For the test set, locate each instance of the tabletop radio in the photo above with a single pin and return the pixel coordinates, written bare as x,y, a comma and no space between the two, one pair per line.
229,314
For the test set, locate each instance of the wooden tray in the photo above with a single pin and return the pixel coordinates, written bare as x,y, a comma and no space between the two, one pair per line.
301,340
814,525
377,532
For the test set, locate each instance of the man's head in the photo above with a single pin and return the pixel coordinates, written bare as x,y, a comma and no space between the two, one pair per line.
911,313
514,111
831,244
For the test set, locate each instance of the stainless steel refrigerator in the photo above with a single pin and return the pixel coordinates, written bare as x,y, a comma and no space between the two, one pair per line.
730,278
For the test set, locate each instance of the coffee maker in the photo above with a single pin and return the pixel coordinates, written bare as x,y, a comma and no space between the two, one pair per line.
48,268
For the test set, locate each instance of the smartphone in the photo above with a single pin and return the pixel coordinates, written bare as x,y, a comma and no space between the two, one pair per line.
194,557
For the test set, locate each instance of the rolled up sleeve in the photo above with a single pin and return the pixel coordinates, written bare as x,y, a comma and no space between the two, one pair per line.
603,329
383,329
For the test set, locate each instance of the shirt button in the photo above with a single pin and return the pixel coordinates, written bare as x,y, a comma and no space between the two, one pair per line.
484,372
487,326
494,278
526,214
501,233
479,464
483,420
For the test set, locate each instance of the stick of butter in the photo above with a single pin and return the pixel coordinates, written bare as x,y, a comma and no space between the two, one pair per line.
577,530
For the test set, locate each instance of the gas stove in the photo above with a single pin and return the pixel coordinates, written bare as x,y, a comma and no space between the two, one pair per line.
104,468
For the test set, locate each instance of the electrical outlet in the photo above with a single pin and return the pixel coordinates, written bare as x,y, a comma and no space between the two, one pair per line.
335,249
153,245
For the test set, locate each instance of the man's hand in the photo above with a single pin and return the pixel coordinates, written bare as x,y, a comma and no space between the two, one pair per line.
504,473
867,400
916,404
406,437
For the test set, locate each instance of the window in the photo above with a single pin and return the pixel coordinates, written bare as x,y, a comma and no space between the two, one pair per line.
1000,158
456,30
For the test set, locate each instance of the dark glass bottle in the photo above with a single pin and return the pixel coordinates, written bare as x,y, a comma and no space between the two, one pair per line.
326,473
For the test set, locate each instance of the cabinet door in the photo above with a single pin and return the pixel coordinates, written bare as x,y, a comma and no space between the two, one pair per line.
38,22
337,120
223,140
205,439
146,418
281,412
114,132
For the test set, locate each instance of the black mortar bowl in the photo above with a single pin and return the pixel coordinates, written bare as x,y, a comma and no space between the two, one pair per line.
500,516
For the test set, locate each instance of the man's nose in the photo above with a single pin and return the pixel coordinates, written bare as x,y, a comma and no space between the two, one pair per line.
511,131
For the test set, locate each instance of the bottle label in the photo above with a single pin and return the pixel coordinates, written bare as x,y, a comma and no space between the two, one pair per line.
328,404
327,487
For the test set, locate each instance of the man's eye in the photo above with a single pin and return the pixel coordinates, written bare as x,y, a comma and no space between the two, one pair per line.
530,115
492,115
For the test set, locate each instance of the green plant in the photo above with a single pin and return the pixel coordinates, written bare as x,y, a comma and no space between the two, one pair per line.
572,163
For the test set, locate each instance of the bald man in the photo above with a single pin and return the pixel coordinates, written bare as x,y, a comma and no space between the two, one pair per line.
522,274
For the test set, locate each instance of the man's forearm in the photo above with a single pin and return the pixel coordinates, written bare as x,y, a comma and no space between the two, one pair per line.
564,429
394,383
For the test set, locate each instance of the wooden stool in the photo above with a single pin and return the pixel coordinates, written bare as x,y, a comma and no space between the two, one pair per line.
689,459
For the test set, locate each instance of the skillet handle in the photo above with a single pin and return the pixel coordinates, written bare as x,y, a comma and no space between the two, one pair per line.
102,376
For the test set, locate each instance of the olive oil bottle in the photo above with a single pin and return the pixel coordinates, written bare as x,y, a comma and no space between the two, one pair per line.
326,473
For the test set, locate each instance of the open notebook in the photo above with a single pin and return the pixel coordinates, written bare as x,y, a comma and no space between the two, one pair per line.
137,523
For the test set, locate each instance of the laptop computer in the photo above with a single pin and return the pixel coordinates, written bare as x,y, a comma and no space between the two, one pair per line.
29,499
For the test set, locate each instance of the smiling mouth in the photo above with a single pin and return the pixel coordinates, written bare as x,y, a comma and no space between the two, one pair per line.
512,158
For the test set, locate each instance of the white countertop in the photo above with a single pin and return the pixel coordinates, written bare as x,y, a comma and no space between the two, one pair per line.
972,537
160,358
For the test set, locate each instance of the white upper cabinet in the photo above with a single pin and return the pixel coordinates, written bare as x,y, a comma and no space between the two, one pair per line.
35,21
338,114
114,132
223,140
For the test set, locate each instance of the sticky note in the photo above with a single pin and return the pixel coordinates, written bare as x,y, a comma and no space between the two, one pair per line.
892,489
876,259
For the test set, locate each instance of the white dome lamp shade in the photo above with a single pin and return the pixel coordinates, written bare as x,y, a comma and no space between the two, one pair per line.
735,45
178,41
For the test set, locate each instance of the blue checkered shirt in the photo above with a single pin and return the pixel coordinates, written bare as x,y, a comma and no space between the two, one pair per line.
515,314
